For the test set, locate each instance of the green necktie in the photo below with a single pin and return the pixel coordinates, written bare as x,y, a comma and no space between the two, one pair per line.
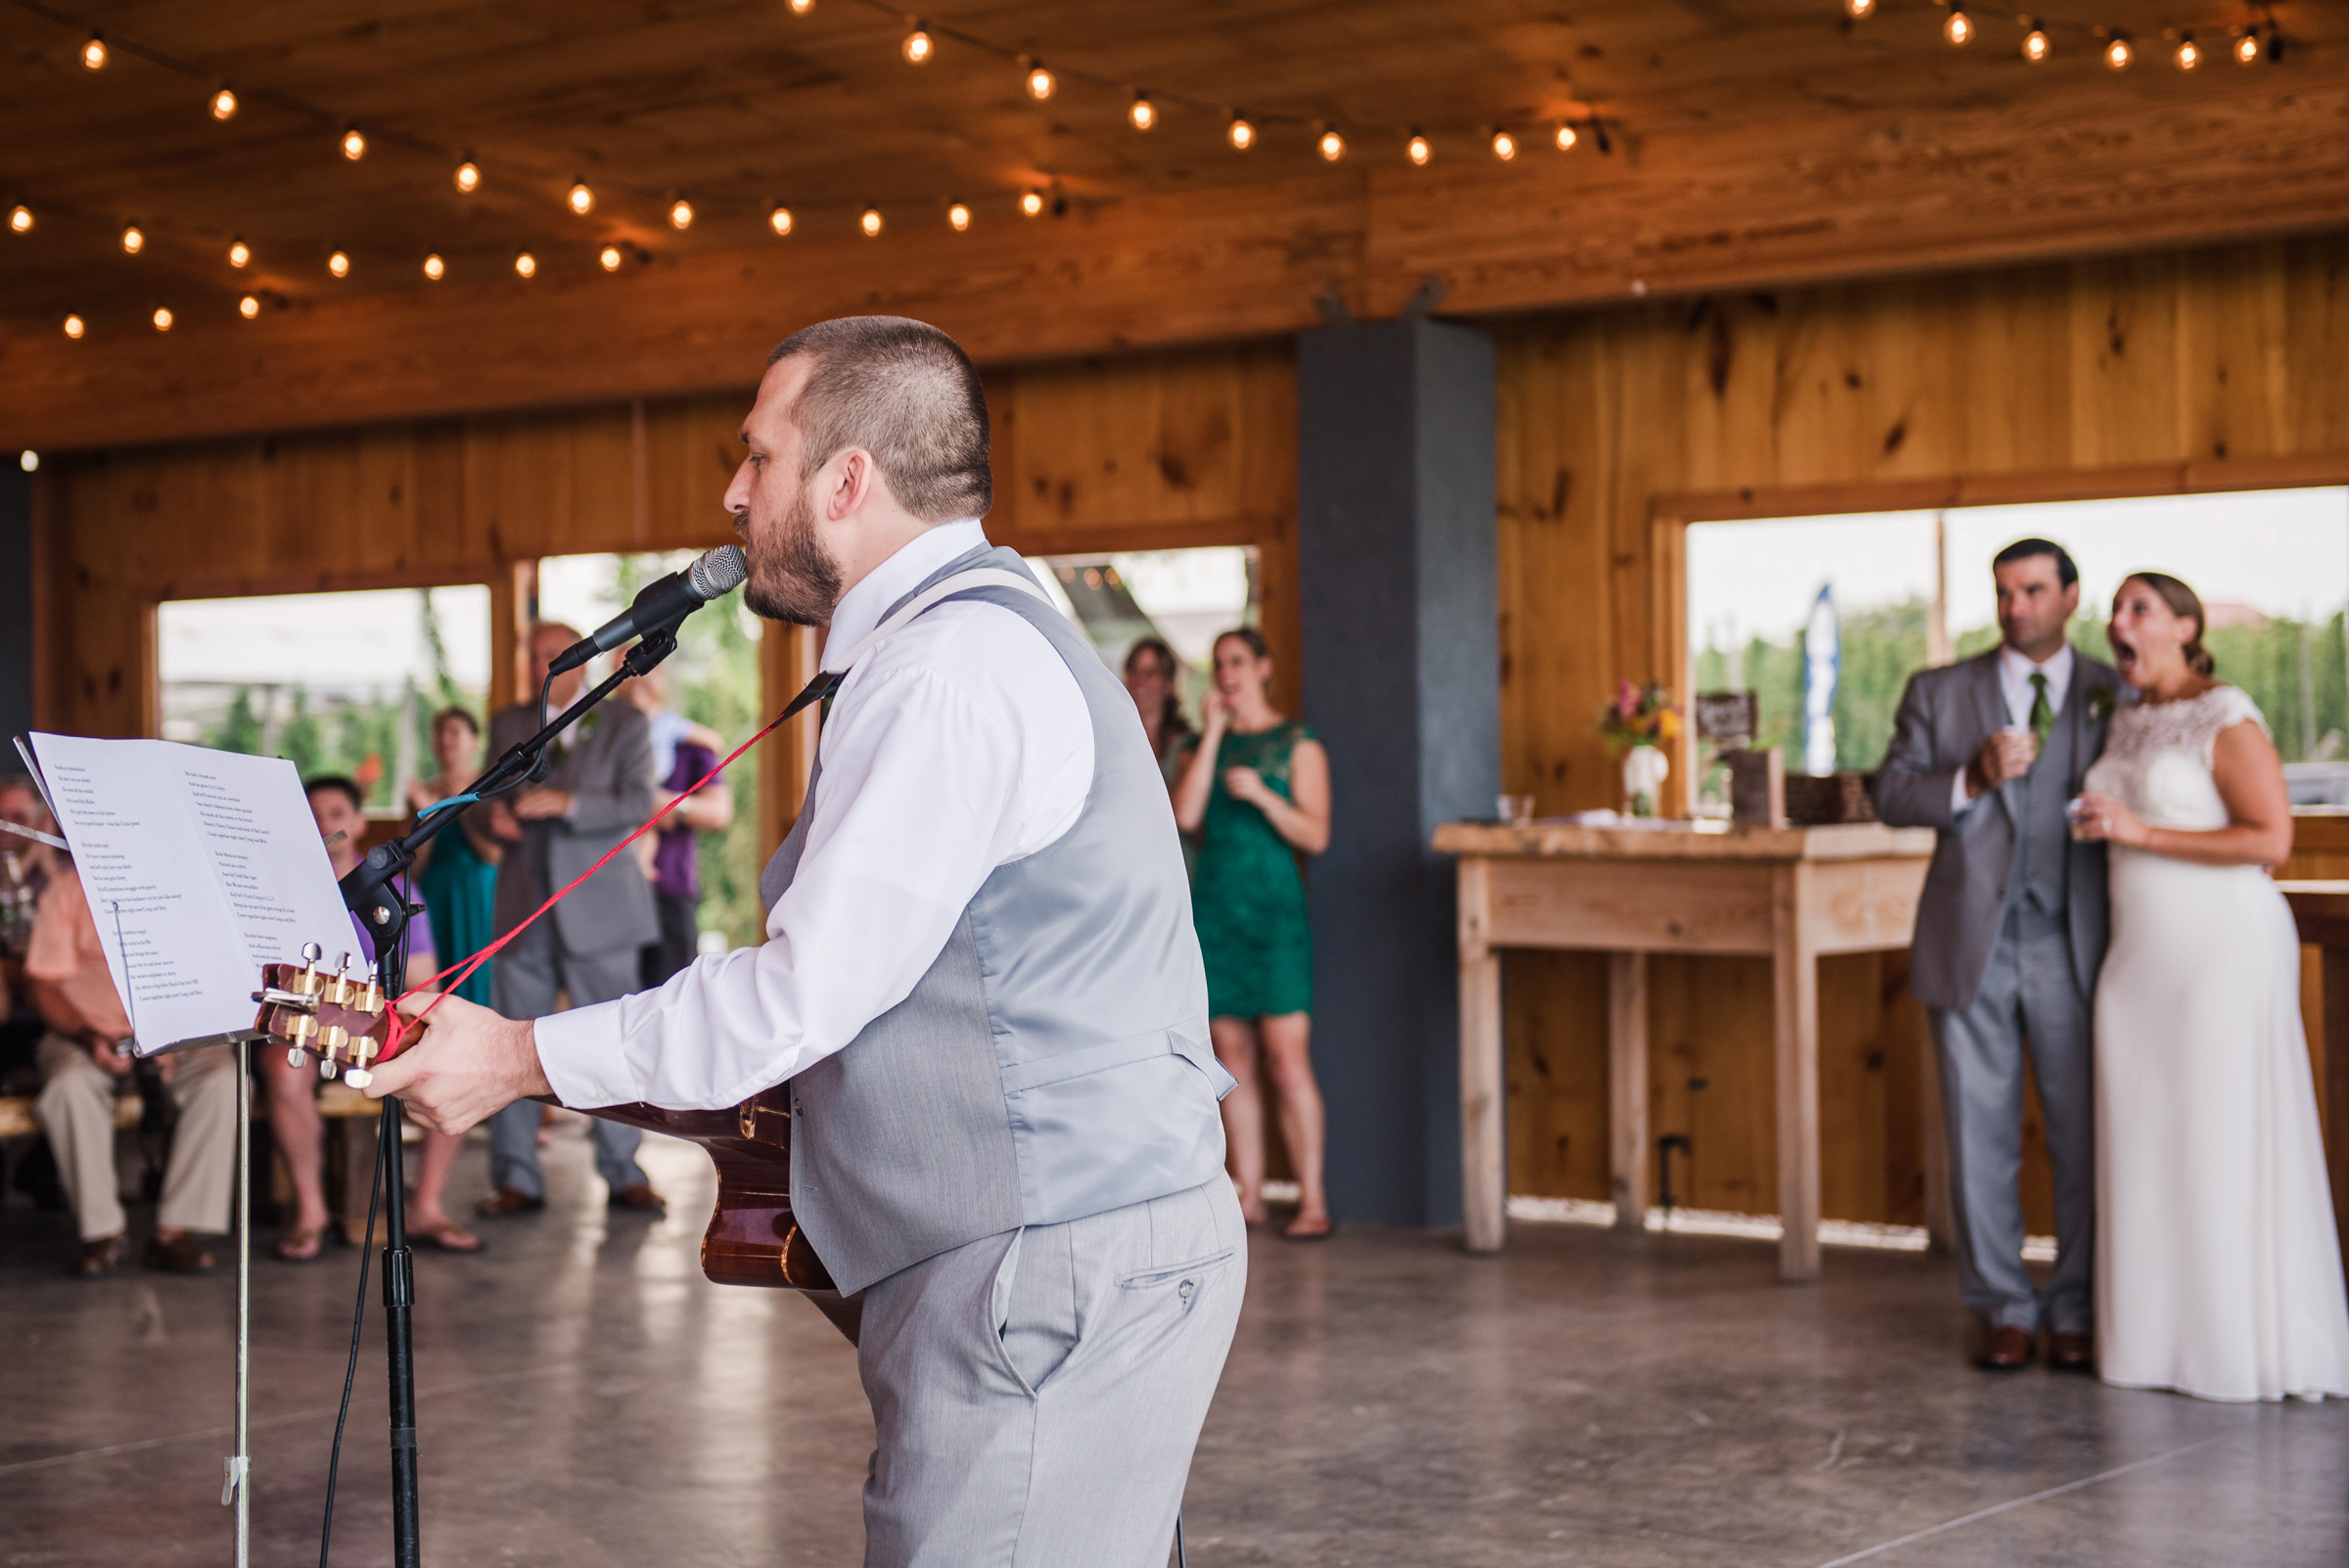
2043,718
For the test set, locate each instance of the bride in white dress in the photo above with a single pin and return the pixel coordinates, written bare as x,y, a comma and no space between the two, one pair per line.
2218,1270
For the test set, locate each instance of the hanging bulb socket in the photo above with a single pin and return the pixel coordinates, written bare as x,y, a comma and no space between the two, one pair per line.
1418,150
779,219
2036,44
1330,144
94,54
1142,113
1240,133
2190,53
224,103
579,198
2246,47
958,216
919,46
239,252
2119,53
469,175
1960,28
870,223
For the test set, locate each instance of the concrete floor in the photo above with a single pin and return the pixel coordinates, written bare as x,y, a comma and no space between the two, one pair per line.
587,1399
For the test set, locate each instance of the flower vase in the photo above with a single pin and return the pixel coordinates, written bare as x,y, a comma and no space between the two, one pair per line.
1644,770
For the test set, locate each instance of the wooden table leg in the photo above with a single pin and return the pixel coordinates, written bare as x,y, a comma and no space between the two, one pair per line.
1626,1086
1794,987
2336,1087
1484,1107
1939,1228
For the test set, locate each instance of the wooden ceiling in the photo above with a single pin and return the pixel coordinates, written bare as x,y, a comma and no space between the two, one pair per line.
1750,140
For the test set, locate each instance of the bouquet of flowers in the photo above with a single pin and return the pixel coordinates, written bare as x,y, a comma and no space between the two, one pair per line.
1640,715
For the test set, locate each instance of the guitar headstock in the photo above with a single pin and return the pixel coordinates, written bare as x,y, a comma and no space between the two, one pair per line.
341,1018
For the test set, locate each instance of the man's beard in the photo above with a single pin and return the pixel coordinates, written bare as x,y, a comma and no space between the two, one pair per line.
792,579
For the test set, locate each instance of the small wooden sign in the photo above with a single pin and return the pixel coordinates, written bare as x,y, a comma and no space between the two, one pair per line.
1757,788
1728,717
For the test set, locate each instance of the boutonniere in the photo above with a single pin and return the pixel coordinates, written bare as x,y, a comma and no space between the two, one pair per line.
2102,702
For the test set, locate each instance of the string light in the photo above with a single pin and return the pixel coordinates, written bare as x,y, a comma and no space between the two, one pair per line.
161,318
579,198
610,255
354,145
2036,46
435,268
779,220
20,219
1417,149
1032,204
1504,145
870,223
2118,55
1040,81
526,266
2246,47
1567,137
28,460
469,175
918,46
133,242
224,103
1332,146
239,252
1240,133
1859,10
2190,53
73,327
801,8
959,216
93,53
338,264
249,307
1142,113
1960,28
680,215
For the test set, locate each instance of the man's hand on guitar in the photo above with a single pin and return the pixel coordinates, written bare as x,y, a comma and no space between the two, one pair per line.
470,1065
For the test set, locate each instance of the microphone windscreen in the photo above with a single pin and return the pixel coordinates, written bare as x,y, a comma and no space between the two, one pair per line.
719,572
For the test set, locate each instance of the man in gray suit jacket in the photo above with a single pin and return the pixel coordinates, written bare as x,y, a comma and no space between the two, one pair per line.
2010,936
599,789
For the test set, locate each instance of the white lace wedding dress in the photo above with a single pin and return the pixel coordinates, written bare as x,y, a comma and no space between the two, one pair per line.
2217,1271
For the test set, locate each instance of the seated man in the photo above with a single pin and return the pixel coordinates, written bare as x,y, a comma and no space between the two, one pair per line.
82,1056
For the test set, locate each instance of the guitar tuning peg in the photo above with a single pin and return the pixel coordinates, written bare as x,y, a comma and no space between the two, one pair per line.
293,1056
326,1068
311,952
358,1077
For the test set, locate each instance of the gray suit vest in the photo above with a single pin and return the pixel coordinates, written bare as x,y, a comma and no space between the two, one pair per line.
1054,1063
2043,837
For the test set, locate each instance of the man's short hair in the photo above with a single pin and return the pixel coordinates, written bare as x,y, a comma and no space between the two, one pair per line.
341,784
2066,574
905,393
539,628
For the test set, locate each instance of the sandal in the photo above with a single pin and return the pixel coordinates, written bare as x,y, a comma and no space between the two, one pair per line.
302,1246
1303,1229
448,1236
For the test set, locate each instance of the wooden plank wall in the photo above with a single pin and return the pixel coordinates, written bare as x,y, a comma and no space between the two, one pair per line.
1148,451
2204,369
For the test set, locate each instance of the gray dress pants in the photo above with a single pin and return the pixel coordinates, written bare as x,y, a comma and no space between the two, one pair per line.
2030,994
523,983
1036,1394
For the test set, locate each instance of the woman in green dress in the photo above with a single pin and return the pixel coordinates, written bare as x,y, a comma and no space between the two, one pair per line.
1256,794
458,877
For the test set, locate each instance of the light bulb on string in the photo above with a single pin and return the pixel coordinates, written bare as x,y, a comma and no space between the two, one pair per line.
579,198
20,219
435,269
1142,113
1418,150
338,264
469,177
2246,47
249,307
239,252
2036,44
224,103
1567,137
2118,52
1240,133
1859,10
958,216
918,46
779,220
1032,204
611,257
680,215
1960,28
2190,53
161,318
133,241
73,327
354,144
526,266
1504,145
1330,144
801,8
1040,81
94,54
870,223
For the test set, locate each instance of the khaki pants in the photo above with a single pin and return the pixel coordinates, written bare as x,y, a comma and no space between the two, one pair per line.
76,1109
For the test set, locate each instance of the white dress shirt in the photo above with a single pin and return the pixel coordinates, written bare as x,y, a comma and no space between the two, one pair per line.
957,744
2014,684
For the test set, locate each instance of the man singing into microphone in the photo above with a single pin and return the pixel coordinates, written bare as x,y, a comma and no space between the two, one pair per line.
980,975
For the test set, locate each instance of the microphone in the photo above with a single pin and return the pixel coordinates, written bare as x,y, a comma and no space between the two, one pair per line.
663,603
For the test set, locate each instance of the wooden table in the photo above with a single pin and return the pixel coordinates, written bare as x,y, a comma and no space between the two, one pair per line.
1791,895
2321,909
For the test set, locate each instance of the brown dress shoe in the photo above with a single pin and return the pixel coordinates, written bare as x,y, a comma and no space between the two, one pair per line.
97,1256
640,1196
2006,1349
2069,1352
509,1200
178,1256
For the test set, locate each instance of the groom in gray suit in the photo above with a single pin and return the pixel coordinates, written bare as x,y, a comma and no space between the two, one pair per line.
2010,936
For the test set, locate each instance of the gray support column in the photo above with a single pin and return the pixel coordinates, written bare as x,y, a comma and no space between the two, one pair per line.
16,608
1395,426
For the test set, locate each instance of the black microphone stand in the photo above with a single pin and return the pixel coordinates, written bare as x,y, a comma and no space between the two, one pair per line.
372,893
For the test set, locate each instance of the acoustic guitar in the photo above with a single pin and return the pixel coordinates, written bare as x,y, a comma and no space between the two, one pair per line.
342,1021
